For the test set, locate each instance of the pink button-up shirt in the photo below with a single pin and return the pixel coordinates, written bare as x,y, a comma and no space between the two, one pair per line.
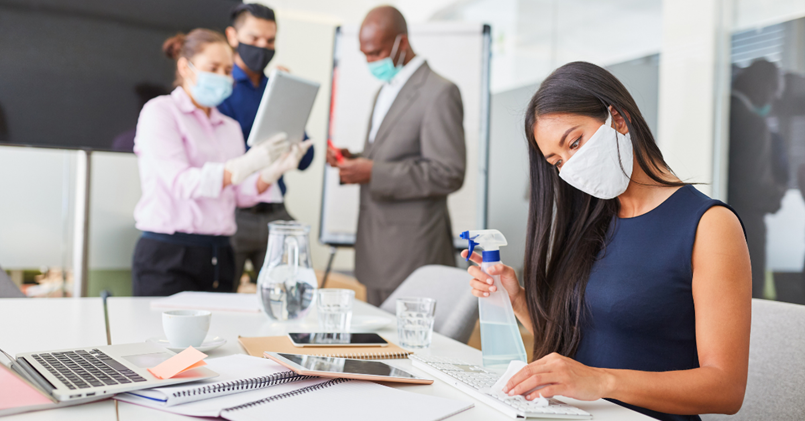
181,155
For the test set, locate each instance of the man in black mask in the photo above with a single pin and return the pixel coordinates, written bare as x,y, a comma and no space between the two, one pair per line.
252,34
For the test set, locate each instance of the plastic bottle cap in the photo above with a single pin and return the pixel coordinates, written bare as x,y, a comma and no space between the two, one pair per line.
491,256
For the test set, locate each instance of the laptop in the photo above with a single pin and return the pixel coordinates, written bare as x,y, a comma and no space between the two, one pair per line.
81,373
284,108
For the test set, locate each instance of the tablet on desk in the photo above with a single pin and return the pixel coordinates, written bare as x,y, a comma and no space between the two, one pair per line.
285,107
332,367
330,339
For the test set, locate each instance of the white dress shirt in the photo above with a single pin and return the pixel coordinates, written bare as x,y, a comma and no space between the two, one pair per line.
389,91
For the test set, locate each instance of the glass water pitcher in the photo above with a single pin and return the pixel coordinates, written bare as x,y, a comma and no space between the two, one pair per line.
286,286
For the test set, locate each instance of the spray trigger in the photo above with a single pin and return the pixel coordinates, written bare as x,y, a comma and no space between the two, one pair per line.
466,236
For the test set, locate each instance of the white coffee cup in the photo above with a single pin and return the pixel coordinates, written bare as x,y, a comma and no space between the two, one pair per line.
185,328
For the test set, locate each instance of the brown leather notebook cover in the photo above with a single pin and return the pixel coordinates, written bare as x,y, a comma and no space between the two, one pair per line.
255,346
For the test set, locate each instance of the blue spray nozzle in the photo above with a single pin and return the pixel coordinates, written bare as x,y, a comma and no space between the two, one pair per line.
466,236
489,240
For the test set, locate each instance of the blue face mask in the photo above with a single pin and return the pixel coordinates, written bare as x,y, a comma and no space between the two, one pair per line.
763,111
385,69
210,89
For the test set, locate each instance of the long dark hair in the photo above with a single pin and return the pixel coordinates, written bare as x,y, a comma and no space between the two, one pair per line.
567,228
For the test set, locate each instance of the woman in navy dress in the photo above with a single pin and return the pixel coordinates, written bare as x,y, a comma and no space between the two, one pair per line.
637,287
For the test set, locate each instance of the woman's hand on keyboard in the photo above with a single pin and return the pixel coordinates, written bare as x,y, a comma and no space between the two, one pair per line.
555,375
482,284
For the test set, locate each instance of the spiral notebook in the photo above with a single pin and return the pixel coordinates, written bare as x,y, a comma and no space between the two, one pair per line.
238,373
344,399
308,398
257,345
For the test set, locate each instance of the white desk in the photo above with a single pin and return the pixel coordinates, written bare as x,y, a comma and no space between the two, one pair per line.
53,323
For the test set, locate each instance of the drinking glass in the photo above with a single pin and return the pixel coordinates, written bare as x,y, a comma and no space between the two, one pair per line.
415,322
335,309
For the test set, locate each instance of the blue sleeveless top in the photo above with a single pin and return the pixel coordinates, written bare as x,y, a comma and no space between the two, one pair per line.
639,297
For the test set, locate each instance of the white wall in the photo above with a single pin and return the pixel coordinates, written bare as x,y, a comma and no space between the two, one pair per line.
757,13
533,37
352,12
688,69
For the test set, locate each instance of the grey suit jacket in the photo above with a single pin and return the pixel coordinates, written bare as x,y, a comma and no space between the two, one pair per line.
419,157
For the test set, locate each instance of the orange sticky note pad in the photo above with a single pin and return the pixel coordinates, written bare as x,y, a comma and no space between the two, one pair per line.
188,359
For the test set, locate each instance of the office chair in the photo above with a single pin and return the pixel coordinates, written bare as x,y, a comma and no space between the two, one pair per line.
456,307
8,289
776,366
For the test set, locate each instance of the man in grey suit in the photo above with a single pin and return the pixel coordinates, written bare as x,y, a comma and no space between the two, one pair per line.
414,156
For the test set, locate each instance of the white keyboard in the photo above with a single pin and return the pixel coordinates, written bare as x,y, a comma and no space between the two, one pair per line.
472,379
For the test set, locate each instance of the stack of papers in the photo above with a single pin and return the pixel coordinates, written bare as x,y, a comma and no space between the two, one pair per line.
257,389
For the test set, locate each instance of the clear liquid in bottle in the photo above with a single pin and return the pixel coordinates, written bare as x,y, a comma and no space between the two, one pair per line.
501,341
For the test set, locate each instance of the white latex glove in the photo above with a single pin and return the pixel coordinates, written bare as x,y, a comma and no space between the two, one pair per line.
258,157
289,161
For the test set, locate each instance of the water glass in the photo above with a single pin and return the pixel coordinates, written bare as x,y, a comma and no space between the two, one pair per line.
415,322
335,309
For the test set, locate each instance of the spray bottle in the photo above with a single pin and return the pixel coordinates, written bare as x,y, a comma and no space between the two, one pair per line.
501,342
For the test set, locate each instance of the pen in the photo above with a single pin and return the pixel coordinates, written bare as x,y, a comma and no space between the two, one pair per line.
338,155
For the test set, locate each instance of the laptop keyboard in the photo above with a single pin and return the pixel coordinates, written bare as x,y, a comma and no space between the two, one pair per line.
84,369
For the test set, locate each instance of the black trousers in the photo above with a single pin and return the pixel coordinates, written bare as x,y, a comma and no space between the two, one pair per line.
251,239
161,268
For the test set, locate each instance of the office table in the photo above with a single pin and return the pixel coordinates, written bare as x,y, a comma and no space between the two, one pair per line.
55,323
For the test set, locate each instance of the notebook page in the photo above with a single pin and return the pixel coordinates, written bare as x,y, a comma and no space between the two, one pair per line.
212,407
353,400
213,301
231,370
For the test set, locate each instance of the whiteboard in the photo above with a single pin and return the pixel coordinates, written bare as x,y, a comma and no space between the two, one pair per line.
459,52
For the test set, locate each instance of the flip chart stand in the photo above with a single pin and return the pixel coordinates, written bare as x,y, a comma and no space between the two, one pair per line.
333,250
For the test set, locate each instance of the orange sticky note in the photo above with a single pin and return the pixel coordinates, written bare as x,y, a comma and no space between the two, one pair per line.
188,359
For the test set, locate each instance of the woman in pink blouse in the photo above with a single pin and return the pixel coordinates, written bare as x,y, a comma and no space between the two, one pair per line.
194,172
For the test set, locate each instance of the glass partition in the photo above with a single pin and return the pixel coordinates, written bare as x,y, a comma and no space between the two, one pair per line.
767,153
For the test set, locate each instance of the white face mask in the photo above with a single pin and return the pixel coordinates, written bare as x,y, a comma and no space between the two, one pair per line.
596,168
